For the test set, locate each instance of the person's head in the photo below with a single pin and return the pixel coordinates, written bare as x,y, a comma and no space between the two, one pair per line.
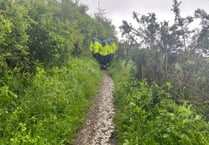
109,41
94,39
104,42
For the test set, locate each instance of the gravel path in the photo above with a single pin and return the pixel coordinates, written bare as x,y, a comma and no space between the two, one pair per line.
99,126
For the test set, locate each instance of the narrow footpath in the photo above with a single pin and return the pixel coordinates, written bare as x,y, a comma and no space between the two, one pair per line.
99,127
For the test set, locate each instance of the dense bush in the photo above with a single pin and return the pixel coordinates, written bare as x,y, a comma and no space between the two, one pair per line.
46,32
49,107
44,89
147,114
171,51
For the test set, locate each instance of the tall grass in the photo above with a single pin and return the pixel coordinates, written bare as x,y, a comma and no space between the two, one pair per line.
48,108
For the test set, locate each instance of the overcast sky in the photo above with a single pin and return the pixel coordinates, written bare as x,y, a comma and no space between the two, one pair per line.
118,10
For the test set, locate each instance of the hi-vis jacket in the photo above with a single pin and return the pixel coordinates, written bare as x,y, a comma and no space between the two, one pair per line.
112,48
95,46
104,50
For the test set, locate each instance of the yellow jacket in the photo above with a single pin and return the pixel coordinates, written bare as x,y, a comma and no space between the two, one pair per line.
94,47
113,47
104,50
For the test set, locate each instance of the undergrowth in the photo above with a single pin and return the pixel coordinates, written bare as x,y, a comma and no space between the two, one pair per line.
146,114
49,107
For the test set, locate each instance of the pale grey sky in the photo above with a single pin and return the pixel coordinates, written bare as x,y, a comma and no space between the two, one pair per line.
118,10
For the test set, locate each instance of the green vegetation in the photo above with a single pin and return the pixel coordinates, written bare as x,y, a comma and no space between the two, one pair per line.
48,107
164,52
161,78
147,114
47,77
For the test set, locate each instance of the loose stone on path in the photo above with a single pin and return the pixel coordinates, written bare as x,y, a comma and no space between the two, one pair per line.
99,127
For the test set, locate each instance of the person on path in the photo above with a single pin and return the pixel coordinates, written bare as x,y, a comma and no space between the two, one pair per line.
95,45
103,52
112,49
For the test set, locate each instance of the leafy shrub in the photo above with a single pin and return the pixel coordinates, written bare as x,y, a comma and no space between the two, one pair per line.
52,106
147,114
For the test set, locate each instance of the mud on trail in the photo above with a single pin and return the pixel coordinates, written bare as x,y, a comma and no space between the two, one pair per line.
99,126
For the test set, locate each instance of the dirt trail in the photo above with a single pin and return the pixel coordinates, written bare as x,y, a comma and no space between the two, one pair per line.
99,126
